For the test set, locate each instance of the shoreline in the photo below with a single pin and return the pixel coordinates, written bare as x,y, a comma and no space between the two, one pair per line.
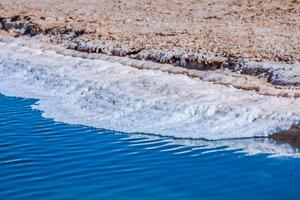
275,75
171,97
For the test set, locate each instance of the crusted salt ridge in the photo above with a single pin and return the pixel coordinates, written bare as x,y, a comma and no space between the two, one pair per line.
223,77
277,73
94,92
220,75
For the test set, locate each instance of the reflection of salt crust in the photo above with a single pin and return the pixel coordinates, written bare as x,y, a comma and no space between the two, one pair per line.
249,146
108,95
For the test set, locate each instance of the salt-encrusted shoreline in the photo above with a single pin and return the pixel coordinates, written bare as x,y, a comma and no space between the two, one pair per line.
157,99
267,78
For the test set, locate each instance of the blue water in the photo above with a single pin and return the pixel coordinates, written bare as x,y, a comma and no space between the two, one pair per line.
43,159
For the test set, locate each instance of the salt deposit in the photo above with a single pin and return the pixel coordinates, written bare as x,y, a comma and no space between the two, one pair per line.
115,96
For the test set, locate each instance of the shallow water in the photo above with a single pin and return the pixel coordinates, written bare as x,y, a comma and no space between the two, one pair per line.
43,159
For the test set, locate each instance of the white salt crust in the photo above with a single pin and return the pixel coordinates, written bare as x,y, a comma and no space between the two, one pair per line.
103,94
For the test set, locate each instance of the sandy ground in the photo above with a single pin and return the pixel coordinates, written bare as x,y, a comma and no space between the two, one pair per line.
258,30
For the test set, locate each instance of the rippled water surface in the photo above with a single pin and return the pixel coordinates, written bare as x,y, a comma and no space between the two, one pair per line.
42,159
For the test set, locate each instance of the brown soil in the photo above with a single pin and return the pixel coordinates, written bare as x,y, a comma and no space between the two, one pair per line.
258,30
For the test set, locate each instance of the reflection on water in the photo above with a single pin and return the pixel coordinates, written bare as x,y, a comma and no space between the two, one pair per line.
42,159
249,146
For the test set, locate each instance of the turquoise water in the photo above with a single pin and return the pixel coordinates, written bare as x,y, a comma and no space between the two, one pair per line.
42,159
